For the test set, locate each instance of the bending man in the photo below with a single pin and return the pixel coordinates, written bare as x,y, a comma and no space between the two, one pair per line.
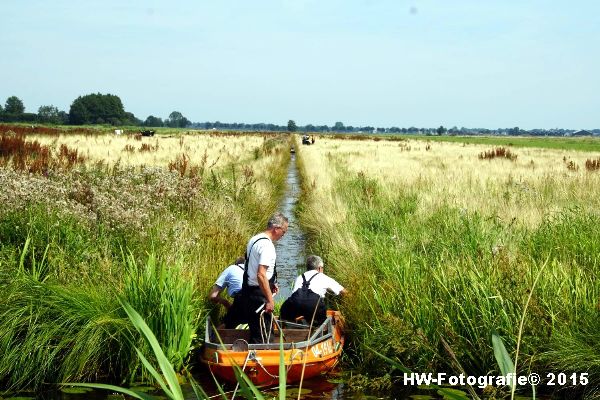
309,291
231,279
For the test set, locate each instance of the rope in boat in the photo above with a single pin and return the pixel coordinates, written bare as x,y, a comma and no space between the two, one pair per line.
260,364
243,368
252,355
263,328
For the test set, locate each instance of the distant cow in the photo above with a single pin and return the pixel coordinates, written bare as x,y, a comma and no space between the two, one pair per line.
118,131
147,133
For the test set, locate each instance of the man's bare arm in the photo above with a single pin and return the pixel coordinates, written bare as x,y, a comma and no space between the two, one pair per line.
263,282
214,297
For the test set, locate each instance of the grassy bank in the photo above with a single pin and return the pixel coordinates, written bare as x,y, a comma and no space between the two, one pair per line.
155,229
439,248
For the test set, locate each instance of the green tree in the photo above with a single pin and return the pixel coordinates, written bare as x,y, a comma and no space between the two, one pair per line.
291,127
98,109
441,130
79,113
153,121
130,119
338,127
177,120
49,114
14,105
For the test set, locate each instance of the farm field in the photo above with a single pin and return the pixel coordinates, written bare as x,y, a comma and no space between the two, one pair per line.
582,143
441,244
87,220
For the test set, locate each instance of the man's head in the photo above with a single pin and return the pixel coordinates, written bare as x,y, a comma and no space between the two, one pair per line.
314,263
240,260
277,226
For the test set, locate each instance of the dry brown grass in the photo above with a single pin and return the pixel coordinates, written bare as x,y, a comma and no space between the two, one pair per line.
592,165
32,156
498,152
451,174
158,150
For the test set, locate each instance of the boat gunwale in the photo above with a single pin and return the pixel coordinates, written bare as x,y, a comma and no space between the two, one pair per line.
272,346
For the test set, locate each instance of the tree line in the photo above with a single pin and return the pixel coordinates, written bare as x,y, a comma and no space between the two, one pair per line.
97,108
90,109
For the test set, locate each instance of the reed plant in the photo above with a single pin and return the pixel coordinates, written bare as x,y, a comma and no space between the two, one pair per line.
167,378
52,332
430,278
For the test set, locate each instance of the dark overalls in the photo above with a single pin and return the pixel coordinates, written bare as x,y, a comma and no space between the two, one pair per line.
253,299
304,303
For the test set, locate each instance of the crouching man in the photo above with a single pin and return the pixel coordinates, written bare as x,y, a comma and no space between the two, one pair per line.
231,279
309,291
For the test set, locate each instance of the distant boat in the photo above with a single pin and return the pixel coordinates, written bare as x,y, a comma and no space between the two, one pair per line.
319,352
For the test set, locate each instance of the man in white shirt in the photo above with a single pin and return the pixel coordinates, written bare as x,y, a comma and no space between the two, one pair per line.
307,299
259,277
230,279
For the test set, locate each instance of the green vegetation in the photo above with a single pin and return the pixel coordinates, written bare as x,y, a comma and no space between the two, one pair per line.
291,126
53,332
75,239
167,378
99,109
428,289
14,105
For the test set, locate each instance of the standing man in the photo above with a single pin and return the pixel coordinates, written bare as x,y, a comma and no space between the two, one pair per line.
259,277
230,279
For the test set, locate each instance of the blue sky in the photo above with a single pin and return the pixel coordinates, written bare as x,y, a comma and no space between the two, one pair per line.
424,63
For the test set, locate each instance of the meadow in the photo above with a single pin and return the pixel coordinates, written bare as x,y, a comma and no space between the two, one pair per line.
89,219
440,245
582,143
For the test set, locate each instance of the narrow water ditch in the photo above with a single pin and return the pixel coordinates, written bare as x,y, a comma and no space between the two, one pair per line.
291,256
291,248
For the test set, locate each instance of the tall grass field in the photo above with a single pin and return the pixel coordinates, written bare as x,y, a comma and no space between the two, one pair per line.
439,244
90,219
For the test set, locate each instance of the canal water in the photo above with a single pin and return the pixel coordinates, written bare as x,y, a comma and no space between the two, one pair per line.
291,253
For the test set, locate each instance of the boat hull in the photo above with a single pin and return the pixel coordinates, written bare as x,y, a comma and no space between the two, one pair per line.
302,359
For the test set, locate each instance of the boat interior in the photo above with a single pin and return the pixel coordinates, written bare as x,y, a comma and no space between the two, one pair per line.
295,335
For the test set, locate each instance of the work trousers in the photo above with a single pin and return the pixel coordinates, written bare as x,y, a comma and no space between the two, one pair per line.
294,308
254,298
236,314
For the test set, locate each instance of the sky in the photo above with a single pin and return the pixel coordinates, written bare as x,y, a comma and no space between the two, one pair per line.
424,63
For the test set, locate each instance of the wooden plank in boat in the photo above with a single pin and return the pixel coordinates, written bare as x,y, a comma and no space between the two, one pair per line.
228,336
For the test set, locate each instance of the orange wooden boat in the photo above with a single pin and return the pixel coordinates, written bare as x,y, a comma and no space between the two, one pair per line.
224,348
